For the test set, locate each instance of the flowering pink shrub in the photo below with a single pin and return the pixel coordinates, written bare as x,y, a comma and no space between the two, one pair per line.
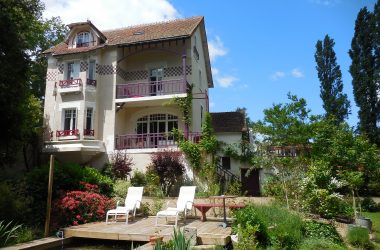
78,207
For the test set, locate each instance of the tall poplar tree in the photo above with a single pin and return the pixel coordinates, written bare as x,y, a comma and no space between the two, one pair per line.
335,102
365,69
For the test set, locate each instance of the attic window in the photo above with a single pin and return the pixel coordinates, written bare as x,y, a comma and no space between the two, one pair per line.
83,39
137,33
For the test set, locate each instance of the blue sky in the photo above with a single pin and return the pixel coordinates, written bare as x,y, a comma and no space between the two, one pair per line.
260,50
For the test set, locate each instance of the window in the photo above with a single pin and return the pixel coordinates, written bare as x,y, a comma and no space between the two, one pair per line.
91,70
72,71
156,123
70,117
83,39
226,162
89,115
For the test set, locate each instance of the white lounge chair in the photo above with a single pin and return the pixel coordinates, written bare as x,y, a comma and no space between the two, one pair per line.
184,203
132,202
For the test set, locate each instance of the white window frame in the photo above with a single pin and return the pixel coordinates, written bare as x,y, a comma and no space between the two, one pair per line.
70,70
81,35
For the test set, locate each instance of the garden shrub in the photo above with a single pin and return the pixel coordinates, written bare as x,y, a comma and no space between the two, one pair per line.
320,244
318,230
152,187
8,232
369,205
250,227
93,176
169,168
277,227
120,189
138,179
120,165
12,205
234,188
359,237
78,207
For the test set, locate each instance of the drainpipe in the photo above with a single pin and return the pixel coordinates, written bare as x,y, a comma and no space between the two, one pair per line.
185,86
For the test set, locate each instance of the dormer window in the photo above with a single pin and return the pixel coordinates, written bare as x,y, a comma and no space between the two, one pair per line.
83,39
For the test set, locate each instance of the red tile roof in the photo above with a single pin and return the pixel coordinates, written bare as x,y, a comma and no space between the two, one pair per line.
138,34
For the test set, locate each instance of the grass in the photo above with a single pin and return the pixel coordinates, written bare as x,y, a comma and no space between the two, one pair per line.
375,218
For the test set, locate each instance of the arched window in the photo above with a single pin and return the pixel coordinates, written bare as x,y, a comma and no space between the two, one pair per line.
83,39
156,123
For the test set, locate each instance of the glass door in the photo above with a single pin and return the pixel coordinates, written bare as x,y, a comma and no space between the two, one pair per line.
156,76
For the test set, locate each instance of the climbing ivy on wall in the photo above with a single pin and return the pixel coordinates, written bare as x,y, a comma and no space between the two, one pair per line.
185,104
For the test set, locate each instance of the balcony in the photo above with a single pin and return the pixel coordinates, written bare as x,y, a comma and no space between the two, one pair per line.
70,86
152,140
150,89
67,134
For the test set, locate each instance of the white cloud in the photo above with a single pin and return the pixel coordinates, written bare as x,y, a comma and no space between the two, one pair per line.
277,75
325,2
111,14
297,73
215,71
226,81
212,104
216,48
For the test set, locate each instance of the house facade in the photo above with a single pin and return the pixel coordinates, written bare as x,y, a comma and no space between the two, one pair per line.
230,129
113,90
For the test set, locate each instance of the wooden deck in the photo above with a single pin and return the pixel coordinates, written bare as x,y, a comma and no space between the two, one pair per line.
208,233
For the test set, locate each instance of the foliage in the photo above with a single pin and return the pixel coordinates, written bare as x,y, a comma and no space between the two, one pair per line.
78,207
320,231
22,76
359,237
67,177
120,165
120,189
7,232
250,228
138,179
169,168
185,104
152,187
285,126
335,102
320,192
320,244
365,69
234,188
193,153
369,205
24,234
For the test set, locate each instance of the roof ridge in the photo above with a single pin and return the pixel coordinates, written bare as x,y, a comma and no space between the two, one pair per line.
153,23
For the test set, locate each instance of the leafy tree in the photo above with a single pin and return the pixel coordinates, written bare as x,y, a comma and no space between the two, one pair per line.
22,76
285,128
365,70
335,102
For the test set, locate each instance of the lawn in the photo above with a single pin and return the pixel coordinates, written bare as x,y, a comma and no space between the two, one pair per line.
375,217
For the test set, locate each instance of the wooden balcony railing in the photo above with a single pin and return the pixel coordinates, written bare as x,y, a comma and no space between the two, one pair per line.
152,140
70,83
165,87
72,132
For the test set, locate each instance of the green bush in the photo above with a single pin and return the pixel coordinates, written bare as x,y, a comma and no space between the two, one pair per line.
138,179
8,232
120,189
369,205
320,244
318,230
359,237
249,225
93,176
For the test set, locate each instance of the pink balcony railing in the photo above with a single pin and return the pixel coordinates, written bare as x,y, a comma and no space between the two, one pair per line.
70,83
153,140
91,82
88,132
72,132
165,87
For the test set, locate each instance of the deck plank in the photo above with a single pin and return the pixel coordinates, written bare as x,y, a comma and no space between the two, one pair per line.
208,232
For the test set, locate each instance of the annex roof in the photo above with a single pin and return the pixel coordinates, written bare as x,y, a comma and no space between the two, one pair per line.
228,122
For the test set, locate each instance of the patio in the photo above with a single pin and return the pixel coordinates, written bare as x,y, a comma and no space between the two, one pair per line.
208,233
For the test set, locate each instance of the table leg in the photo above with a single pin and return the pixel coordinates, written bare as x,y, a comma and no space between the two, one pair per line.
225,218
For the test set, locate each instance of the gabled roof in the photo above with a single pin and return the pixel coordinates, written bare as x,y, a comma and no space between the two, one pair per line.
179,28
228,122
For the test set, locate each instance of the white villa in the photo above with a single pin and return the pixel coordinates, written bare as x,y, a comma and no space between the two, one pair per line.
111,90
